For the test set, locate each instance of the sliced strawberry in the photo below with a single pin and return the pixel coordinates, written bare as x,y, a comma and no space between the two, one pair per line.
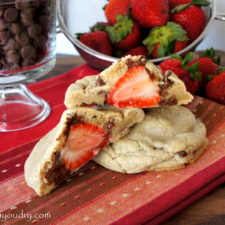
83,143
135,89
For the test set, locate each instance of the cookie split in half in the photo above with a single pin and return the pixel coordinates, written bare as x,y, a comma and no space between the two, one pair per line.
79,137
132,81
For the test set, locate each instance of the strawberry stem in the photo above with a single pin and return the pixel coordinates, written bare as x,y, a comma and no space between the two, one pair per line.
194,2
121,29
210,53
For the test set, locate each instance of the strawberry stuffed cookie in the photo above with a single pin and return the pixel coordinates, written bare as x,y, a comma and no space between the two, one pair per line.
120,92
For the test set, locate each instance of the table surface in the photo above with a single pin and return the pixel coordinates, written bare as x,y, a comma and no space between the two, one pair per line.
210,210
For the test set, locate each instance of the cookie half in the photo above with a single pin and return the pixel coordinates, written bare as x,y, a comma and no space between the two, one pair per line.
168,138
132,81
80,135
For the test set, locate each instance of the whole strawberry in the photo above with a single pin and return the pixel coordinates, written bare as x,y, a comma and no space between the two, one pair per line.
174,65
140,50
192,18
97,40
215,88
189,76
162,40
206,66
150,13
125,34
115,7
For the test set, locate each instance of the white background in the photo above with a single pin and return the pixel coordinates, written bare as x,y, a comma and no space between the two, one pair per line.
215,38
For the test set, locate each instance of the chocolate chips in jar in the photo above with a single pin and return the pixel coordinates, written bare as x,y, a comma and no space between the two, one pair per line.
24,28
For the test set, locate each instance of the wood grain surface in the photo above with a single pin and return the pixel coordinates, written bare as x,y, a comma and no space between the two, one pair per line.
210,210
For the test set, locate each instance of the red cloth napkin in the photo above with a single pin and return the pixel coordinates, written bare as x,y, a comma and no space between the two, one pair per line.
96,195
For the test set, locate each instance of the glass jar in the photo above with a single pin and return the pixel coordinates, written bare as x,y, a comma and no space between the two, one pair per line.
27,51
27,39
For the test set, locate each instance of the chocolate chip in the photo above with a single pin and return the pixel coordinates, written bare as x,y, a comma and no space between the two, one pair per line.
110,125
11,44
99,82
28,52
40,41
2,12
4,36
35,3
3,24
12,56
182,154
16,28
29,12
22,38
28,62
13,67
26,19
11,14
34,30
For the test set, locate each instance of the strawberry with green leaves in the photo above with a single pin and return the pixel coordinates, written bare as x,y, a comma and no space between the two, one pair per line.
189,75
150,13
97,40
191,17
207,66
125,34
162,40
116,7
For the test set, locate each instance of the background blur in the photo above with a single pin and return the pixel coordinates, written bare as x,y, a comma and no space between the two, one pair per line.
215,38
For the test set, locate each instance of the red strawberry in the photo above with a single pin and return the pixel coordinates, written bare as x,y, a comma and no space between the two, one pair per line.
191,84
115,7
150,13
192,19
83,144
179,45
162,40
206,67
215,88
125,34
140,50
178,66
175,3
97,40
135,89
175,66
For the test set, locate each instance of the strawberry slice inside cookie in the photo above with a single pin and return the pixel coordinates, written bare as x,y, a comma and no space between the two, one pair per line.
137,88
83,143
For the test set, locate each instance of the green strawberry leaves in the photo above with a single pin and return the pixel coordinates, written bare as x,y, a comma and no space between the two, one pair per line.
193,69
98,27
165,36
194,73
180,8
201,2
194,2
121,29
210,53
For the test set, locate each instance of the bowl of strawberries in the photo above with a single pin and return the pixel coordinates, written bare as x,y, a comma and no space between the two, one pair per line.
103,31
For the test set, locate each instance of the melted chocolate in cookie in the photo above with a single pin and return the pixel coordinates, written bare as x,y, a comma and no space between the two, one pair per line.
58,172
99,82
130,63
182,154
